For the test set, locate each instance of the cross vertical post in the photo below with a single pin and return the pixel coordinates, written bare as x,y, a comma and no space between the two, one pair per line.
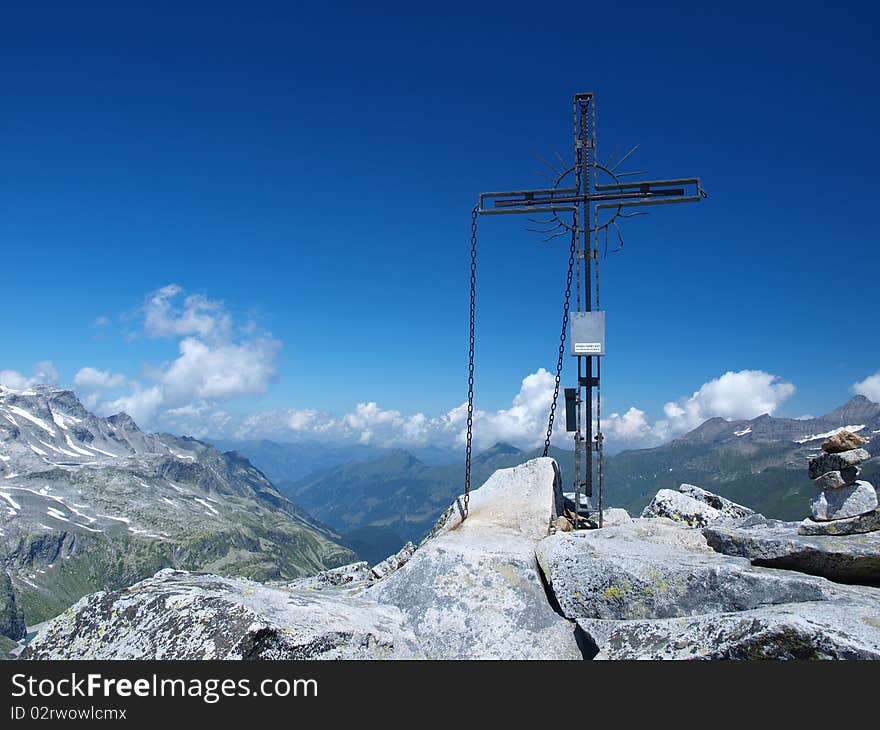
596,205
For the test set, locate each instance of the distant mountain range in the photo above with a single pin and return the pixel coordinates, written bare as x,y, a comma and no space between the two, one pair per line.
378,503
89,503
759,462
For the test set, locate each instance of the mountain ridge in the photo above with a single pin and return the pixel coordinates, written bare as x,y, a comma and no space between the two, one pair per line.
90,503
758,462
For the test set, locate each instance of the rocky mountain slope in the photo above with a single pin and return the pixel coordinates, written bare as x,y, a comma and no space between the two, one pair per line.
89,503
758,462
503,584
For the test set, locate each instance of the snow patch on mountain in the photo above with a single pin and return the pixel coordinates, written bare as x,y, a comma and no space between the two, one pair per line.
829,434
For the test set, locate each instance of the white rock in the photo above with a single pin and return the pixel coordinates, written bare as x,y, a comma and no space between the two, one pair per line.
695,507
180,615
851,501
473,590
615,516
681,508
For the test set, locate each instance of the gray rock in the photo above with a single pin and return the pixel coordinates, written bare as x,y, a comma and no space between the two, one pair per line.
354,575
847,558
473,590
681,508
179,615
849,526
824,463
12,623
615,516
842,629
837,504
695,507
837,479
644,570
393,562
730,511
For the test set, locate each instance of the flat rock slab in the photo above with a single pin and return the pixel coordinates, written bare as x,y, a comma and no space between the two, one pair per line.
841,629
655,570
473,590
851,526
179,615
843,558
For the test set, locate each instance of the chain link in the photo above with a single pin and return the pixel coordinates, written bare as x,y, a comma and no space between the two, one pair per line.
565,308
470,408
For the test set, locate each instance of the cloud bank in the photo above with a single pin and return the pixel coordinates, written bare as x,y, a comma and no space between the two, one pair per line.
218,359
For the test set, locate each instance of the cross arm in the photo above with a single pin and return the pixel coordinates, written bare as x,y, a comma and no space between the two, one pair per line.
614,195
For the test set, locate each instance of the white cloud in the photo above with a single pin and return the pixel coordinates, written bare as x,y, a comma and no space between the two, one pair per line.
735,395
102,321
42,373
219,371
94,379
744,394
165,316
523,424
142,404
869,387
91,384
632,427
212,365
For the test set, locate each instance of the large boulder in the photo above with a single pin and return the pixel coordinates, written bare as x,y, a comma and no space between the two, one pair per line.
849,501
473,589
180,615
845,629
774,544
695,507
656,569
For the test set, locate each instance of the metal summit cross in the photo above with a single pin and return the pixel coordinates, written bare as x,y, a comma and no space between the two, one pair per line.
600,196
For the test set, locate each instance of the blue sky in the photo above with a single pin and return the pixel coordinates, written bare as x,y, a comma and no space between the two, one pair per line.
307,176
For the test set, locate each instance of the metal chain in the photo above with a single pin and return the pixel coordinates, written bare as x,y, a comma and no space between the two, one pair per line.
470,408
565,308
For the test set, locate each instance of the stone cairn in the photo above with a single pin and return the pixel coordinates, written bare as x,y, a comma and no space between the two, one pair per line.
844,504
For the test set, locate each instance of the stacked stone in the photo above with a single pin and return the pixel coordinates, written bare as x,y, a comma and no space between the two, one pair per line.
844,504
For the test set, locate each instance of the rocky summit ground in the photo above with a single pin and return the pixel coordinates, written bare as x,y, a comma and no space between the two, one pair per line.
701,578
90,503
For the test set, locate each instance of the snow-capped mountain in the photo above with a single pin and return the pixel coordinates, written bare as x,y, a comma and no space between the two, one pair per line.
859,415
88,503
